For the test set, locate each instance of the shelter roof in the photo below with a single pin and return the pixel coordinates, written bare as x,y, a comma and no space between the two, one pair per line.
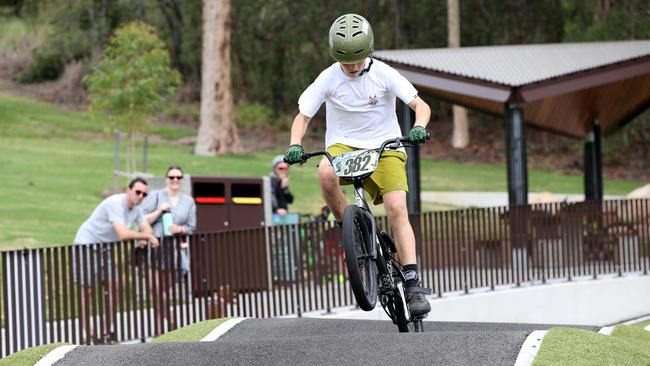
562,88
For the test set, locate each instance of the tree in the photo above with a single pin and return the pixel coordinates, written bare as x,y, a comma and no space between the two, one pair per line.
132,81
217,131
460,137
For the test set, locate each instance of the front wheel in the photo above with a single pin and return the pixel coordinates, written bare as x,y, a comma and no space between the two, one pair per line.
401,311
362,268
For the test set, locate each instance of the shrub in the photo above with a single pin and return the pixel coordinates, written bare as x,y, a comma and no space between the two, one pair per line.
133,81
47,65
253,115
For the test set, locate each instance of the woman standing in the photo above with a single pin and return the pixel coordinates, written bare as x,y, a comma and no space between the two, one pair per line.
170,213
170,199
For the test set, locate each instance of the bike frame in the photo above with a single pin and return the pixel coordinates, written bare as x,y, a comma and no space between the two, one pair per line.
386,266
357,182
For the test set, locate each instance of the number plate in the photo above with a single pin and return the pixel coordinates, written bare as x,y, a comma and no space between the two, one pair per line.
356,163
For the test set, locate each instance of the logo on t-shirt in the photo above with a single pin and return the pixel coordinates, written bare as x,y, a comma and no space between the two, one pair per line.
373,100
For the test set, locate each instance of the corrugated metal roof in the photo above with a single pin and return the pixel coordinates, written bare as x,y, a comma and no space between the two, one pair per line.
518,65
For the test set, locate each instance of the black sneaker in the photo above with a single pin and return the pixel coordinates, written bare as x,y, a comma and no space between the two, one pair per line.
417,301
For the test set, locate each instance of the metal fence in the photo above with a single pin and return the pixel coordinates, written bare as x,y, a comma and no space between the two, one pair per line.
104,293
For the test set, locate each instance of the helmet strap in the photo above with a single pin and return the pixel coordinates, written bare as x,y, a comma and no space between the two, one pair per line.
367,68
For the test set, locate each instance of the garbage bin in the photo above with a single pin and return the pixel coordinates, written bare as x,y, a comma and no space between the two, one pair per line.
231,202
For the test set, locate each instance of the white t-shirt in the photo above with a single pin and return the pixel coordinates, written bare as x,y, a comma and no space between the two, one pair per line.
360,112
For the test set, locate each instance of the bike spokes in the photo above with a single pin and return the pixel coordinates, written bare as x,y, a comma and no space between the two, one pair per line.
362,268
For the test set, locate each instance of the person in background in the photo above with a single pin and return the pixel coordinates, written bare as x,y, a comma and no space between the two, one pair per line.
111,221
114,218
171,200
171,213
281,196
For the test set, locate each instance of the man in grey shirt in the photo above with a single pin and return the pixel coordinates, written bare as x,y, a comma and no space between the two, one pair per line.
111,221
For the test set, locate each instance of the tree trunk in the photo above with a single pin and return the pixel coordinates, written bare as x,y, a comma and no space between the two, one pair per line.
602,7
174,19
217,131
460,137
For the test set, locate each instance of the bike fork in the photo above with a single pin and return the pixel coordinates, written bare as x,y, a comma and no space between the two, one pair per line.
358,197
402,295
360,202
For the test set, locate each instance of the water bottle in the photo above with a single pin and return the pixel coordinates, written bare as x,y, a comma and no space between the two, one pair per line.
166,221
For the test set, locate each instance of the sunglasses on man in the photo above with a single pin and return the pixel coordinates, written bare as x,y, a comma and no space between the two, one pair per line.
141,193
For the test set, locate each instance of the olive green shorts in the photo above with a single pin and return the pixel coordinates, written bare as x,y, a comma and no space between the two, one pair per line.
389,176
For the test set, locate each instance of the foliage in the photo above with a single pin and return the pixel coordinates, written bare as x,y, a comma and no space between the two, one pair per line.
47,65
280,46
77,29
17,35
624,20
132,80
180,23
57,162
252,114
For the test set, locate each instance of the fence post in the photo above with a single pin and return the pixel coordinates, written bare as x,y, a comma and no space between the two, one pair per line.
116,161
145,147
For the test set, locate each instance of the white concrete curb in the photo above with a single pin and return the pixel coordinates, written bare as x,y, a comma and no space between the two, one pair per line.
55,355
530,348
637,320
221,329
607,330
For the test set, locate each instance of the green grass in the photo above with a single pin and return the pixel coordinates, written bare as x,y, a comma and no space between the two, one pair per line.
57,162
642,324
30,356
191,333
566,346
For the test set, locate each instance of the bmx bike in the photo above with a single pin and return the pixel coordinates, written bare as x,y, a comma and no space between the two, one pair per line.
373,271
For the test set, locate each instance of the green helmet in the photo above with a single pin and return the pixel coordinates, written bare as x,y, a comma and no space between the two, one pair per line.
351,39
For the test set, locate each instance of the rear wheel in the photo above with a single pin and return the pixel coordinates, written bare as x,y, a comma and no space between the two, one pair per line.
362,268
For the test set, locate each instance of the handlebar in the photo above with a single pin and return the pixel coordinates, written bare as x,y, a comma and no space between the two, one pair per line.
391,144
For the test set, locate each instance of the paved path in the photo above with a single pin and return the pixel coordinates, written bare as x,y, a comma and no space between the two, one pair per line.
323,341
494,199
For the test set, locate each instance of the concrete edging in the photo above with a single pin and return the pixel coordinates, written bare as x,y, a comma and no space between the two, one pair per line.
222,329
55,355
583,301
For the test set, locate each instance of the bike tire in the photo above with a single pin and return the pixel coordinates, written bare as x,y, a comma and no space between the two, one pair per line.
362,269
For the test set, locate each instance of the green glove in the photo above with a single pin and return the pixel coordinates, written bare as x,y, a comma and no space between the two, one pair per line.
294,155
418,134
